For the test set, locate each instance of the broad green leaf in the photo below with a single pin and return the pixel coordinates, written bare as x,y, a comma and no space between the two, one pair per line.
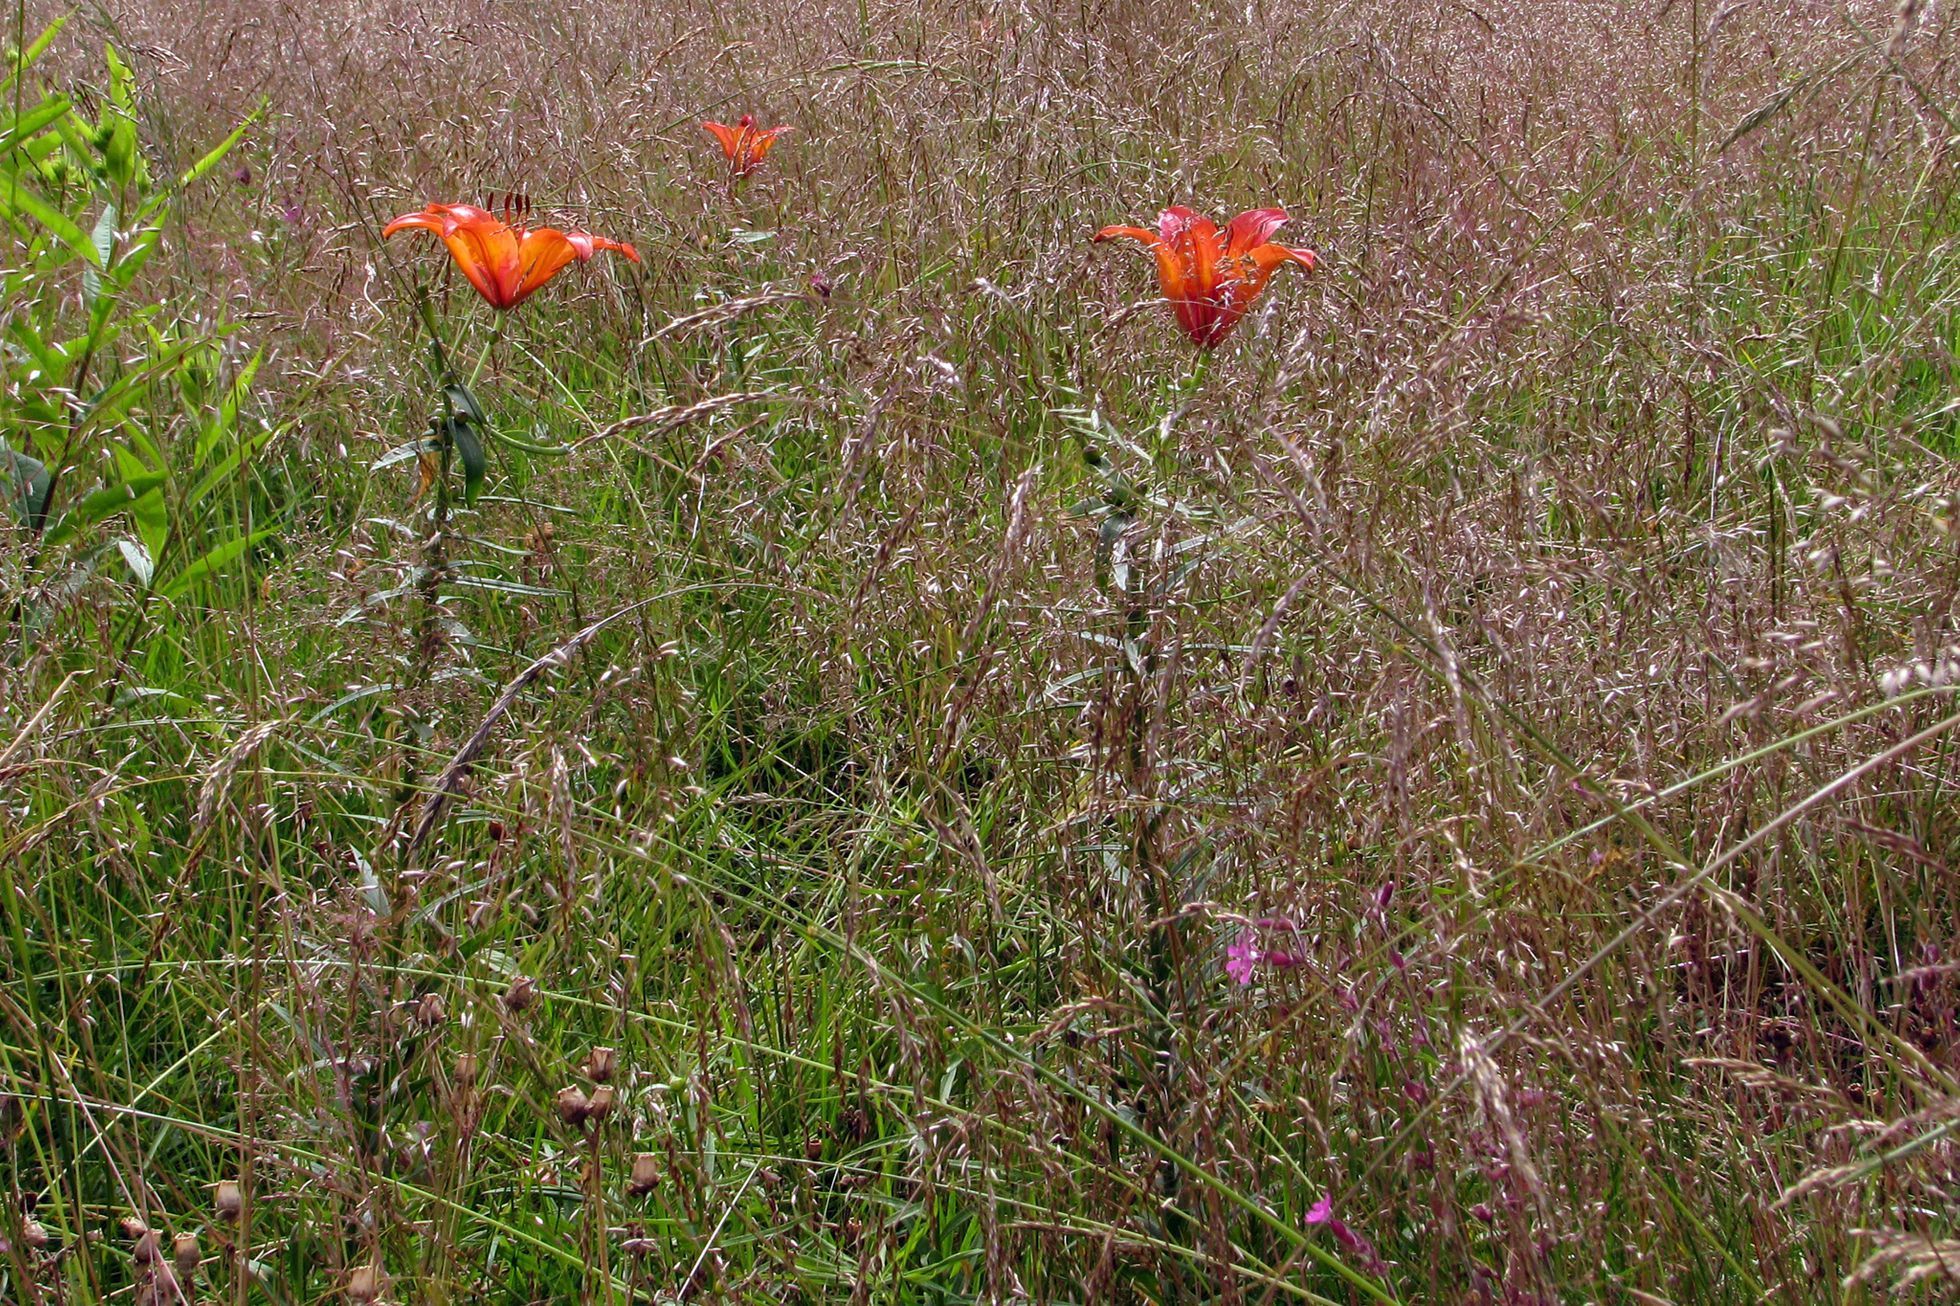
223,470
401,453
218,152
104,503
26,484
26,200
34,120
141,565
103,239
464,401
227,415
469,448
39,47
122,82
150,513
212,561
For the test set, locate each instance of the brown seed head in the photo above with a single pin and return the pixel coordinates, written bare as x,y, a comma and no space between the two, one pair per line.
229,1200
600,1105
366,1283
160,1288
522,995
646,1174
185,1252
466,1070
573,1105
601,1064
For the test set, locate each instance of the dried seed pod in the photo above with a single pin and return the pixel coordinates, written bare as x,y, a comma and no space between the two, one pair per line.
185,1252
366,1283
149,1248
229,1200
573,1105
646,1174
160,1288
522,995
465,1071
34,1235
600,1104
601,1064
429,1011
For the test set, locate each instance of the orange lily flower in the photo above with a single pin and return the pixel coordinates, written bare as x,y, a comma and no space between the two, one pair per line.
745,144
1210,276
505,262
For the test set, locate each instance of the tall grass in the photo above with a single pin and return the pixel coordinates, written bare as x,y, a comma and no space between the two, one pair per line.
914,670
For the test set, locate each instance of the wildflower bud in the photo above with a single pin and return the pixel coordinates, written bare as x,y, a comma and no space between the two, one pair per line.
646,1174
521,996
465,1070
186,1253
366,1283
573,1105
600,1065
33,1234
229,1201
600,1104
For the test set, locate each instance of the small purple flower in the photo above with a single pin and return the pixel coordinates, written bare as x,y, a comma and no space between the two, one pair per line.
1241,955
1246,954
1322,1212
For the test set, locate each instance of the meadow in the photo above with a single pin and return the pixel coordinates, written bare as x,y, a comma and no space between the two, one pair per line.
853,759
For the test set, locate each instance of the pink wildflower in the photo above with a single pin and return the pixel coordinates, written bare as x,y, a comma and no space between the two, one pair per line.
1322,1212
1241,955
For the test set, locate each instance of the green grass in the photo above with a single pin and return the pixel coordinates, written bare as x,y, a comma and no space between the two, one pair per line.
954,666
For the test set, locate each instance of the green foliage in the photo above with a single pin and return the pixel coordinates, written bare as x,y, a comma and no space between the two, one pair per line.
116,443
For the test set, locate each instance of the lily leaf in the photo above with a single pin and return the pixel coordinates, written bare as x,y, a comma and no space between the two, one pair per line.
469,448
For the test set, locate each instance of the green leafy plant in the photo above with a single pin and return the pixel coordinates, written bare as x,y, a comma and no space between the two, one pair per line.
118,436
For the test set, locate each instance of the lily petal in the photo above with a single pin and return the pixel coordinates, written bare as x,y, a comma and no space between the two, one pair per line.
1253,228
585,245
